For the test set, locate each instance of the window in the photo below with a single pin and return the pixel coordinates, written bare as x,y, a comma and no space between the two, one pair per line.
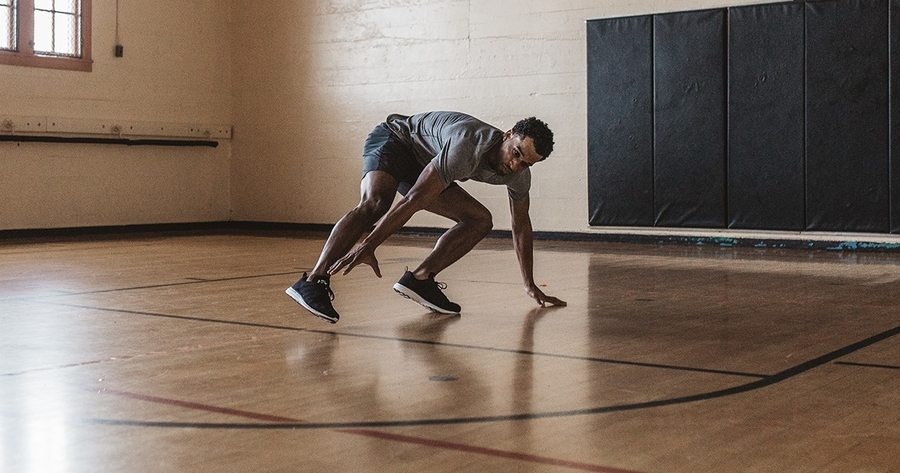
54,34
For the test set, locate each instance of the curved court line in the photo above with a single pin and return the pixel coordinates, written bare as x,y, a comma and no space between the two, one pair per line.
751,386
868,365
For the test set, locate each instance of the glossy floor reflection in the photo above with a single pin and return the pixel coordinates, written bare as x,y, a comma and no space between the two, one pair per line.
182,353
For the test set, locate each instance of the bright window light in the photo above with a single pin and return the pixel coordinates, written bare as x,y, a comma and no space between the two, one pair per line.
8,25
52,34
57,27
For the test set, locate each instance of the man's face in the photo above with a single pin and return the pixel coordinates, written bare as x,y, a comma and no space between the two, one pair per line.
516,154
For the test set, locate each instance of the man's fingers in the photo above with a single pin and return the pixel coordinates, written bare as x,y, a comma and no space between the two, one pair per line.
350,267
544,299
370,259
339,265
373,262
353,260
375,268
555,301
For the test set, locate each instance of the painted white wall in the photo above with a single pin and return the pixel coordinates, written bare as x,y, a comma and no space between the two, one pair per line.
303,82
176,68
312,78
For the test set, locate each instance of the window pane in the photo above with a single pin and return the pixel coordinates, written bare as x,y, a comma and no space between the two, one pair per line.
43,32
66,6
66,35
6,30
57,33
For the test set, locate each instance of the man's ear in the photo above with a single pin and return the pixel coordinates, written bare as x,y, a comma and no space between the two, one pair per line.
507,135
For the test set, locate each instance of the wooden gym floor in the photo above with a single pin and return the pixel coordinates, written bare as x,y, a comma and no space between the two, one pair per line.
183,354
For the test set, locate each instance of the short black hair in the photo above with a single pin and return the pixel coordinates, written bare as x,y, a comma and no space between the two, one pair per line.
539,132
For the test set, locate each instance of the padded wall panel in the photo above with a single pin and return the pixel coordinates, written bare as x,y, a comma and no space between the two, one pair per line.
689,151
765,117
895,115
847,169
620,121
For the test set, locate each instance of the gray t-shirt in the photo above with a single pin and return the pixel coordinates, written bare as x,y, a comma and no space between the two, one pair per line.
458,145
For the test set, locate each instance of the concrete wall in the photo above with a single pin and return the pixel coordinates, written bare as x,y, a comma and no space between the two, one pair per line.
312,78
176,68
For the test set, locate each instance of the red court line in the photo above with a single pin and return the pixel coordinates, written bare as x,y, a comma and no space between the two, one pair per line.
484,451
201,407
378,434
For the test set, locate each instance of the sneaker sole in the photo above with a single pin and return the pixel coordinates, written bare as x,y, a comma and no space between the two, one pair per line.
411,295
299,299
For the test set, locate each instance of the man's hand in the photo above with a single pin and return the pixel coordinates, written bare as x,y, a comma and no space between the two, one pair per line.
361,254
537,294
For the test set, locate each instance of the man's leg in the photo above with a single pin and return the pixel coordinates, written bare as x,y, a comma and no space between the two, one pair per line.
377,190
473,223
313,291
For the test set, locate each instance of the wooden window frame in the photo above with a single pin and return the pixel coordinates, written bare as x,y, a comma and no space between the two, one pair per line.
25,55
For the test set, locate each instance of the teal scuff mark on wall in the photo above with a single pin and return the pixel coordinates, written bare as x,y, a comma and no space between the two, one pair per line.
851,245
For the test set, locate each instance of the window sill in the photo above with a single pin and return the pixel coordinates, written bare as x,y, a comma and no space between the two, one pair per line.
44,62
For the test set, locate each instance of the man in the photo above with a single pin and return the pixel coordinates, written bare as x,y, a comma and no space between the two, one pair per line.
422,156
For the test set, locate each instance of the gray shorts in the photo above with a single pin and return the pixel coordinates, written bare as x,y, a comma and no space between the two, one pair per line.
384,151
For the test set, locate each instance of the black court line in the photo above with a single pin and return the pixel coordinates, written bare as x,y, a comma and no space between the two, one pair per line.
867,365
172,284
705,396
155,286
68,365
412,340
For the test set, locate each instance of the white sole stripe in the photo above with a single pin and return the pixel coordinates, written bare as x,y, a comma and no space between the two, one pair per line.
412,295
299,299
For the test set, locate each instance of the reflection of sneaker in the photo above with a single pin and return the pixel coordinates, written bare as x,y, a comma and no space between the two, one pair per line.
426,292
315,296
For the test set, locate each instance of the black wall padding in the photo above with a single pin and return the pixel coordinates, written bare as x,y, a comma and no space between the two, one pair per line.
847,163
689,132
620,188
805,135
895,115
765,117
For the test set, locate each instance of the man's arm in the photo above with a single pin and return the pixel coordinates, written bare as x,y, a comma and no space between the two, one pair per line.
523,243
429,185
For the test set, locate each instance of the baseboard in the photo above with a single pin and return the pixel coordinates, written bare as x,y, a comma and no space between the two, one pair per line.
712,238
113,231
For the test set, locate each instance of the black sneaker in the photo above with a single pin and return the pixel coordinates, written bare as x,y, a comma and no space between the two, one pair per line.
315,296
427,292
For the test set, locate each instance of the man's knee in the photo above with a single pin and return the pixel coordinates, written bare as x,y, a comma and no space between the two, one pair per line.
482,220
374,207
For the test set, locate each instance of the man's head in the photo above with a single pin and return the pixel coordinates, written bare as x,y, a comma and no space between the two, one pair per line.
530,141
